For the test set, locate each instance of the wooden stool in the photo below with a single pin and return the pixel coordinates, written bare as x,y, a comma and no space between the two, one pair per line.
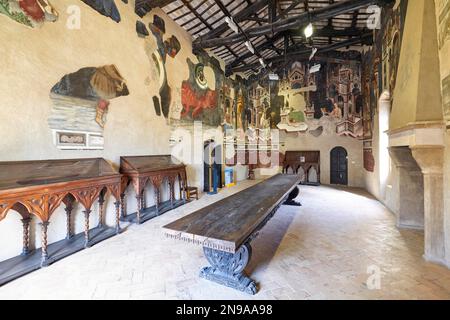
191,192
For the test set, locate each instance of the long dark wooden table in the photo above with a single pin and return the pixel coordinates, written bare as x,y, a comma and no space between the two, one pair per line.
226,228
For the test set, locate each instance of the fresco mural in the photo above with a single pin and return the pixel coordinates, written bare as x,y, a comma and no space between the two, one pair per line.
443,10
328,102
107,8
81,101
32,13
444,22
379,71
446,96
210,99
198,100
158,56
141,30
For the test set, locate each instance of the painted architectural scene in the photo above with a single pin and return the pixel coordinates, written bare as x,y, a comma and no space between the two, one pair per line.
329,101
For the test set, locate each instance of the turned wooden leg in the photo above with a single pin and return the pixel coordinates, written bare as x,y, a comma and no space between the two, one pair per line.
139,209
157,198
26,236
172,193
86,227
44,257
117,204
68,210
101,209
122,204
143,204
181,189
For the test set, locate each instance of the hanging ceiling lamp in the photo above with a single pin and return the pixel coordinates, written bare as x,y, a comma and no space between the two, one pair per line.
309,30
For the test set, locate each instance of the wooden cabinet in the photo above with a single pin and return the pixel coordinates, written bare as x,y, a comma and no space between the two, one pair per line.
141,170
37,188
304,163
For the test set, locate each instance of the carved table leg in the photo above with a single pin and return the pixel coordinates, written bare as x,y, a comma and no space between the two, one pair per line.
26,236
117,204
139,208
101,209
68,210
291,198
86,227
228,269
44,228
122,204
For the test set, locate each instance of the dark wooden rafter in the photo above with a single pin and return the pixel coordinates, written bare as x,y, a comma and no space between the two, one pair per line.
203,20
274,13
300,20
142,7
305,52
324,32
292,6
239,17
227,13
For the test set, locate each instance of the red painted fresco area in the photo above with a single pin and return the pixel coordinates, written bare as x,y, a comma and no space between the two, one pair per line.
32,9
196,102
369,161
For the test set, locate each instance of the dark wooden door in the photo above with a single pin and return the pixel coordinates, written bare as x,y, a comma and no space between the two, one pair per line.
208,147
339,166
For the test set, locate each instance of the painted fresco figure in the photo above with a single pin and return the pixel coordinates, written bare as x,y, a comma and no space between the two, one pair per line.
170,47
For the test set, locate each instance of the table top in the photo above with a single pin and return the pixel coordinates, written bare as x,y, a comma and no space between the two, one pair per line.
142,164
226,224
22,174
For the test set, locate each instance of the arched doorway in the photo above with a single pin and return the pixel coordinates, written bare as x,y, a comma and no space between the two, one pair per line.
212,161
339,166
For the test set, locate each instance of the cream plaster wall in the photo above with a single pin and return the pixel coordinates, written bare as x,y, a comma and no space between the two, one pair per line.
325,143
417,94
33,60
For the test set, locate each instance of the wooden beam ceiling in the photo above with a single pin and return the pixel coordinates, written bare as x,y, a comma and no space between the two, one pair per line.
274,27
288,23
306,52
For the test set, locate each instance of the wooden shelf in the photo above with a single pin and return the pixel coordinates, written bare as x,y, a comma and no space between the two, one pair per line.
16,267
150,212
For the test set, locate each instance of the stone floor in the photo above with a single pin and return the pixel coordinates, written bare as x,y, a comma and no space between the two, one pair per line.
341,244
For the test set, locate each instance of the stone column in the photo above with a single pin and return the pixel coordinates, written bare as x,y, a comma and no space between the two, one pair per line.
431,161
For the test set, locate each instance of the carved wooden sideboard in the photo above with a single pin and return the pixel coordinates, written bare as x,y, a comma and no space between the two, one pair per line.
140,170
305,160
37,189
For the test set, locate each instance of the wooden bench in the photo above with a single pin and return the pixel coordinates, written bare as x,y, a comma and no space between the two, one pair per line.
226,228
